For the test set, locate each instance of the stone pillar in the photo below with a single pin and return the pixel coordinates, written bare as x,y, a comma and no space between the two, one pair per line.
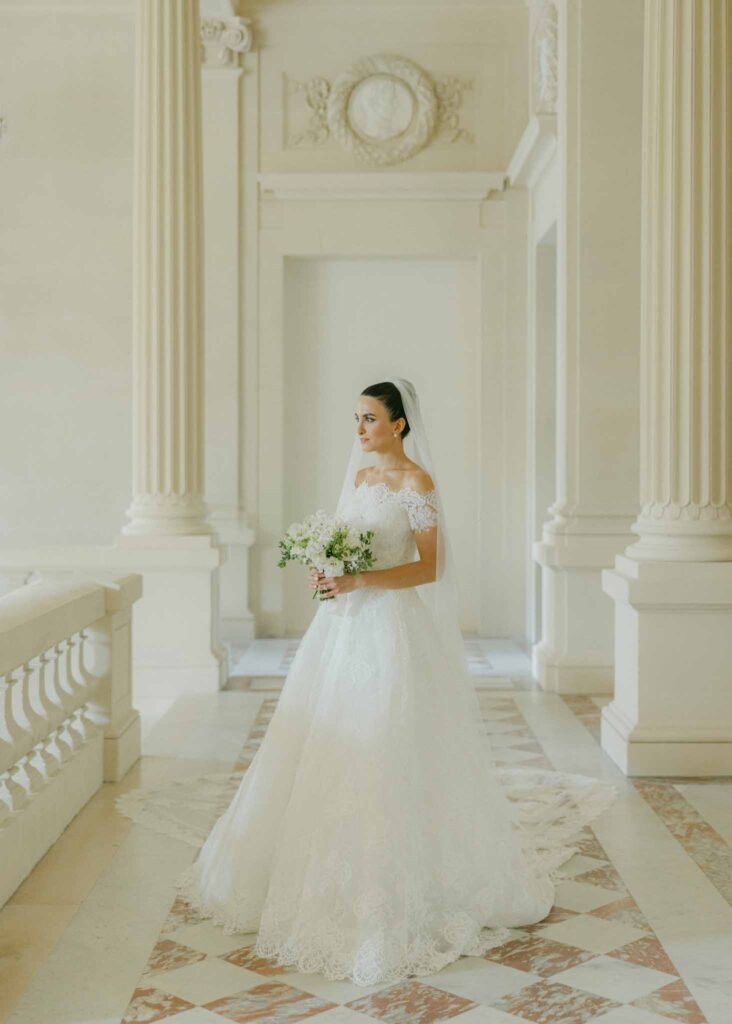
672,712
598,323
167,323
168,540
228,62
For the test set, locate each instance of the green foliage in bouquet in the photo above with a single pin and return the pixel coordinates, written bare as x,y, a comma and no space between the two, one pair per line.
328,544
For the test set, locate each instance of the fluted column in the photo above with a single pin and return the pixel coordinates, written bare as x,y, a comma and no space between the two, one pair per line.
597,332
671,713
168,273
686,380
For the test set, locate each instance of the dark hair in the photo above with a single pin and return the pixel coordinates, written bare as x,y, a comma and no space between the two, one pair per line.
390,397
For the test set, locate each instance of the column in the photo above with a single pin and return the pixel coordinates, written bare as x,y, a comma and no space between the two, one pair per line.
672,712
597,335
167,319
168,540
228,61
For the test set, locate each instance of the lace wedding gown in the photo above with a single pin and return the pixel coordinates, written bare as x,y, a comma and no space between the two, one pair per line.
371,837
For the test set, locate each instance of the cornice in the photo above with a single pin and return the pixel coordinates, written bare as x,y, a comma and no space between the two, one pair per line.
453,186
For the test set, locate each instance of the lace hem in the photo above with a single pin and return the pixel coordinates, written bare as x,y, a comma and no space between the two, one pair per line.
377,960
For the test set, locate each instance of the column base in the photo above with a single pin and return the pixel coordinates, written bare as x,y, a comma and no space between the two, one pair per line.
175,627
575,654
559,674
644,757
671,714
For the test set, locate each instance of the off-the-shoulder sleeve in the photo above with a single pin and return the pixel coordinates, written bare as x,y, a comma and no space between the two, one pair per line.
421,510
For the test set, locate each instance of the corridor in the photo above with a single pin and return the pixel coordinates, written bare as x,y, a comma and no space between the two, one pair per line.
640,934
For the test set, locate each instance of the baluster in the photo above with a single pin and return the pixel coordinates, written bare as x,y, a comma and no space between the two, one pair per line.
6,806
18,793
8,753
48,749
19,741
37,729
76,696
90,683
59,697
20,738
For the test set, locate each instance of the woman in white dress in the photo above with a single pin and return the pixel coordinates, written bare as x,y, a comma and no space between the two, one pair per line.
371,837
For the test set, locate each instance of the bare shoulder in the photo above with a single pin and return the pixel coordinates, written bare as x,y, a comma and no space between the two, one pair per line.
360,477
420,481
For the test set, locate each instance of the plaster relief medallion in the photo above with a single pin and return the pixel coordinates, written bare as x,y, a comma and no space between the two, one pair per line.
383,109
380,108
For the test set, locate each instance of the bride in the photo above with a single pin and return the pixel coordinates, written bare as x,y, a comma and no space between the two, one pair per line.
371,837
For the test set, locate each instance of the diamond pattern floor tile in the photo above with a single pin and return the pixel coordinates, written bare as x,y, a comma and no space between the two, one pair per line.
482,980
592,933
548,1002
411,1002
540,955
268,1002
200,982
150,1004
614,979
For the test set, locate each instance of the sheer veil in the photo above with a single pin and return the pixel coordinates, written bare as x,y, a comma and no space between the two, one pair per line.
442,596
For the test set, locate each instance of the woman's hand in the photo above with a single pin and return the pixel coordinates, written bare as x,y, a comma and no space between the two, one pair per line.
331,586
314,577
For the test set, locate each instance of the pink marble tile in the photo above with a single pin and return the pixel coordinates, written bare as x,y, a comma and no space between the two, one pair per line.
673,1001
168,955
538,955
180,914
606,877
704,845
411,1002
245,957
648,952
150,1004
272,1002
555,915
624,911
547,1002
588,845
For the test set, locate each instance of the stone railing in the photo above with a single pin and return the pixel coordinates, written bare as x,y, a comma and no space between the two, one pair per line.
66,718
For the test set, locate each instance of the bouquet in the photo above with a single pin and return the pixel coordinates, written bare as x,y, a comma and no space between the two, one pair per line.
329,544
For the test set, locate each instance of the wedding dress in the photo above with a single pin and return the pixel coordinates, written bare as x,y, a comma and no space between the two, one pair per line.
372,837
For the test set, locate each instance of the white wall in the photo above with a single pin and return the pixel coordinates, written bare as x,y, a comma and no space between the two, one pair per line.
66,166
355,322
65,263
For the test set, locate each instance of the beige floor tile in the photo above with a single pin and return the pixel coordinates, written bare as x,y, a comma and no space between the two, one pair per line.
27,935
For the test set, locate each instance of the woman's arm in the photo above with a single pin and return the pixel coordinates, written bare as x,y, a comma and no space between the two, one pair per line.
409,574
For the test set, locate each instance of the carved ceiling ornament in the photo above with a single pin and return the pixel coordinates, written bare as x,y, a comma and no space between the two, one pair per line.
383,109
546,59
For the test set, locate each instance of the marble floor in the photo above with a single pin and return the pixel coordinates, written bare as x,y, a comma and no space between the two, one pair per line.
641,932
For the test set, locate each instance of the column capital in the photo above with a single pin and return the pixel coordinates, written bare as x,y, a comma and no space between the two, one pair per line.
224,40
